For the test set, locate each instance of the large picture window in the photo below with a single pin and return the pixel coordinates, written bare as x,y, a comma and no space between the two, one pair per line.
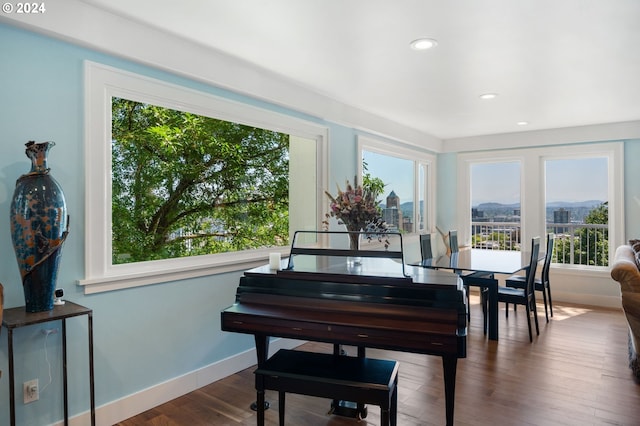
407,201
574,193
495,205
181,183
577,209
186,185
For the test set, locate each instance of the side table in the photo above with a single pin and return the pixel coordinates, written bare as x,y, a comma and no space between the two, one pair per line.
19,317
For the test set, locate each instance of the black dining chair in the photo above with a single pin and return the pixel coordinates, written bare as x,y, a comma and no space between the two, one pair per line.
425,247
522,296
541,284
454,248
467,279
453,241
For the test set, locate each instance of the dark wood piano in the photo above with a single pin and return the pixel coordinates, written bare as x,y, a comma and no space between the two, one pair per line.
381,303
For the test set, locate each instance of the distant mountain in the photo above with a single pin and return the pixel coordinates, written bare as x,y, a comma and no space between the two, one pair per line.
407,207
576,204
488,206
577,210
557,205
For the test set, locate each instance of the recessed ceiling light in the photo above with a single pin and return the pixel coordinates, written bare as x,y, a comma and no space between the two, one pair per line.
522,123
423,44
486,96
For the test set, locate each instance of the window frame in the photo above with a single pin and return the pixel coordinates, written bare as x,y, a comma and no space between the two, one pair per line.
532,191
104,82
493,160
367,143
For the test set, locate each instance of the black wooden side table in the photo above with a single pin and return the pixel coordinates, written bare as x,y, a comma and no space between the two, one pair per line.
19,317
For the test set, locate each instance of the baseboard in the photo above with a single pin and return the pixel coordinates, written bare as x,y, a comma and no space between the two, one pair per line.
136,403
603,301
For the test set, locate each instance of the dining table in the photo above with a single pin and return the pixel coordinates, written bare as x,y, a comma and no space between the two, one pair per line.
478,268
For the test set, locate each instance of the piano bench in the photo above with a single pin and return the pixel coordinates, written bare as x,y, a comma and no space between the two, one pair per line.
361,380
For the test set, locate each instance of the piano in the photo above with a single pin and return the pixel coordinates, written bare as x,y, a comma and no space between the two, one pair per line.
381,303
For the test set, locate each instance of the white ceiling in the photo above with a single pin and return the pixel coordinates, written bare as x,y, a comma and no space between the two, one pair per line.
554,63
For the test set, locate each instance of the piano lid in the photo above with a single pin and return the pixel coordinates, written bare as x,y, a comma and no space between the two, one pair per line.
329,252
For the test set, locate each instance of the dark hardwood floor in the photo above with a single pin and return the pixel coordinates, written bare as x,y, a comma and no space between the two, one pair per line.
575,373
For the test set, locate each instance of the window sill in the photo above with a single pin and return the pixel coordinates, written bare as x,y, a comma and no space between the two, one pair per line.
148,273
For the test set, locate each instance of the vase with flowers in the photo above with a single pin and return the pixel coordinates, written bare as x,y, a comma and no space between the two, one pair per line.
358,210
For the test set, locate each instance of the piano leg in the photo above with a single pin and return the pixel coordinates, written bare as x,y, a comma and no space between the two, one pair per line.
262,353
262,348
260,401
347,408
449,364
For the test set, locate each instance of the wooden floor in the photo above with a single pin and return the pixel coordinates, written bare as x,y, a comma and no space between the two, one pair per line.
575,373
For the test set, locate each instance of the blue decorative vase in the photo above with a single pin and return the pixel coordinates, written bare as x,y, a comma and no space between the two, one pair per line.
39,227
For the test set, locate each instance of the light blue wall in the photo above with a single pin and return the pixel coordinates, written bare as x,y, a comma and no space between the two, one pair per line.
447,179
143,336
146,335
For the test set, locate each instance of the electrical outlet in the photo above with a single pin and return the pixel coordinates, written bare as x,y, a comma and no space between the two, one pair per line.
31,391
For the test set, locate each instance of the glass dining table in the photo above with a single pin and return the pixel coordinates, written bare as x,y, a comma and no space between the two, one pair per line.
478,268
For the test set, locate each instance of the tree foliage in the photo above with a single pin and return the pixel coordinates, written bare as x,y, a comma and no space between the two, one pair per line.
495,241
590,244
373,184
184,184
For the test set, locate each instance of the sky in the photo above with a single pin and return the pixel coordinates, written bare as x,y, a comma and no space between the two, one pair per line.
396,173
566,179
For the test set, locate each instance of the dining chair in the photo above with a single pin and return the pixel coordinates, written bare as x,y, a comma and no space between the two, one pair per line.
454,248
522,296
453,241
425,247
467,279
541,284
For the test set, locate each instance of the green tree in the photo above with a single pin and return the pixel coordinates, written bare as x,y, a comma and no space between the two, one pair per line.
590,244
599,215
502,239
371,183
185,184
595,242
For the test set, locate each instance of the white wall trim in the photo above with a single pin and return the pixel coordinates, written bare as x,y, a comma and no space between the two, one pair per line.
548,137
146,399
101,84
418,158
89,26
86,25
531,159
584,287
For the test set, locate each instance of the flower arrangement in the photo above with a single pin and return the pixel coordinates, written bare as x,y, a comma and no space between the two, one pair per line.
356,208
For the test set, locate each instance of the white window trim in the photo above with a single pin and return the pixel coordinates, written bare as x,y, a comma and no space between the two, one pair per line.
417,157
465,161
532,182
101,84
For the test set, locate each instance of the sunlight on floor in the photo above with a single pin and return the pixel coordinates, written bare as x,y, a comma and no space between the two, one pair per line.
559,312
565,312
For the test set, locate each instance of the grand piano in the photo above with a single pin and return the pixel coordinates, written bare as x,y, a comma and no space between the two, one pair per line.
374,301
